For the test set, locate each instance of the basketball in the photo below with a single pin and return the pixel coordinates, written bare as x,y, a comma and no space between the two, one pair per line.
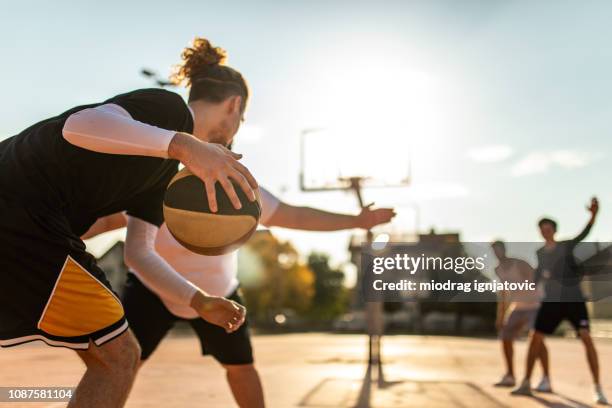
193,225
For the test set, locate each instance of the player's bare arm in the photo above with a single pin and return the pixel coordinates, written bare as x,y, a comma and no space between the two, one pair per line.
312,219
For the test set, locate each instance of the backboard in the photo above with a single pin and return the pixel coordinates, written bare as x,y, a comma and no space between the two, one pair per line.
342,159
330,158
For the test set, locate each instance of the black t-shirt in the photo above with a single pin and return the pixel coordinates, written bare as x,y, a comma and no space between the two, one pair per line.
40,169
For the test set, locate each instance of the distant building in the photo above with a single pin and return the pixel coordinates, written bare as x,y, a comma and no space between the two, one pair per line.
597,283
431,244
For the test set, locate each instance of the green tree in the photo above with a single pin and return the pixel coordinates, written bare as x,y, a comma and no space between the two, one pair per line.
330,296
273,278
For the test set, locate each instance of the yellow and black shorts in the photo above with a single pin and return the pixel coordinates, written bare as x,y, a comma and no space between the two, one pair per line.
50,288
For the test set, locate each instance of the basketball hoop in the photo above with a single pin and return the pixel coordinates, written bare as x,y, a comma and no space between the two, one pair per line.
319,173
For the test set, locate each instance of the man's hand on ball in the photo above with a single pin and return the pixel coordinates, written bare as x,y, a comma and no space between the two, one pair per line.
213,163
219,311
370,218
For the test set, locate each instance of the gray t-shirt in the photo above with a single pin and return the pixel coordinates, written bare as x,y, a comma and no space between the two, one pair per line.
558,269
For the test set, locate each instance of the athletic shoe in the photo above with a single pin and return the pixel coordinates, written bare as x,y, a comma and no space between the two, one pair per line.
600,398
544,385
523,389
506,381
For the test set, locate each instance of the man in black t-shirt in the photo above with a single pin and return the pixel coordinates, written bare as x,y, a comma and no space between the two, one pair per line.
60,175
563,299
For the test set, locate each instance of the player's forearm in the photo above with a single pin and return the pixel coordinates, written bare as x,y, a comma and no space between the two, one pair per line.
181,147
592,219
200,300
311,219
163,280
106,224
586,229
110,129
99,227
151,268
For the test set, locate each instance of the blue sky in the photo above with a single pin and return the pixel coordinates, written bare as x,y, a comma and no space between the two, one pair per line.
503,107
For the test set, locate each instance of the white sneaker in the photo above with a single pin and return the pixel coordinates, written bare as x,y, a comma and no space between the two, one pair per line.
600,398
544,385
523,389
506,381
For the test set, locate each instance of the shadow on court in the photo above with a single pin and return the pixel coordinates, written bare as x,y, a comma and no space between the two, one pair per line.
319,370
556,400
379,393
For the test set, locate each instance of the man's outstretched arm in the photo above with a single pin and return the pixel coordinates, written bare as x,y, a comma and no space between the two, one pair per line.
593,209
312,219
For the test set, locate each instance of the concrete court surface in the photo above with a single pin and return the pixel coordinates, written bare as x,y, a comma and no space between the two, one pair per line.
329,371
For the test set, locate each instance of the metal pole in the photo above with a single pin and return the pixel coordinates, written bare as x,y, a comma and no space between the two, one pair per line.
374,310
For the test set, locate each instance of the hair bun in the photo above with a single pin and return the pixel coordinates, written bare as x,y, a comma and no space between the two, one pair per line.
203,52
197,59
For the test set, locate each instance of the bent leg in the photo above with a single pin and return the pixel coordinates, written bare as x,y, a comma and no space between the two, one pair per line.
591,353
245,384
535,348
507,346
543,357
111,369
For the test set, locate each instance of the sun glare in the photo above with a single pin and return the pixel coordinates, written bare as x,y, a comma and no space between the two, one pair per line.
376,100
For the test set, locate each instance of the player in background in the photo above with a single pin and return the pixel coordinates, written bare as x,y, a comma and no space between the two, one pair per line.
563,299
516,311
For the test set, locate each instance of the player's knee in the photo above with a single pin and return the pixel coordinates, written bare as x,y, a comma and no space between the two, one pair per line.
121,355
536,341
132,354
585,336
537,337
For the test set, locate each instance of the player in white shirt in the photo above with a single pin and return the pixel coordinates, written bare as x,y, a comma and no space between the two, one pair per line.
152,315
516,311
165,275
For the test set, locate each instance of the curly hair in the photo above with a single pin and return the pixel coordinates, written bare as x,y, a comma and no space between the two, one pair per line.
204,72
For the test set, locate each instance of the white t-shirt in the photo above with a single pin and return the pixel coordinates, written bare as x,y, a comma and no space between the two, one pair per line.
217,275
516,271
